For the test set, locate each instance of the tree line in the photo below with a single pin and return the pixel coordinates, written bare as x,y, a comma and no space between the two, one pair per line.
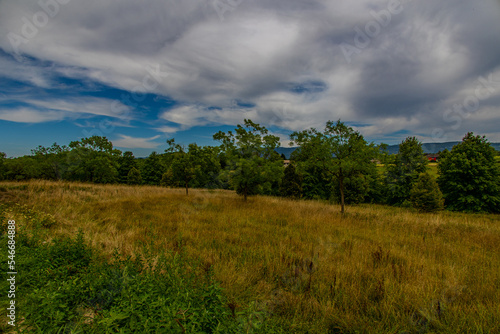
336,164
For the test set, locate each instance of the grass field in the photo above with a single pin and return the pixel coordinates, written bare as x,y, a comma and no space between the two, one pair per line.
300,264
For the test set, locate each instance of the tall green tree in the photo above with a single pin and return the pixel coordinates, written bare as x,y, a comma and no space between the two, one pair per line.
253,165
291,185
469,177
3,168
207,158
94,160
339,152
51,161
152,169
185,163
400,177
125,163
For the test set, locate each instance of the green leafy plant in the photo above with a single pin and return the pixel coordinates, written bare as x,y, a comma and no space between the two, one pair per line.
425,195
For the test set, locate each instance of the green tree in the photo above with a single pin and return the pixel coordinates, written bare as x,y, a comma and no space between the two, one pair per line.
291,185
93,160
125,164
425,195
253,165
167,179
152,169
185,163
22,168
51,161
400,177
134,176
3,168
469,176
340,152
209,168
383,154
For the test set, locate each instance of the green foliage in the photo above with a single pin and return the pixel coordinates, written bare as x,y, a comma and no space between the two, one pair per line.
253,165
126,163
340,153
207,175
93,160
152,169
291,185
50,161
134,176
187,165
65,286
3,168
425,194
469,177
400,177
317,184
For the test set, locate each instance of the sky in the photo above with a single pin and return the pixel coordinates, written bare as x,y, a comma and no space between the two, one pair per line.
141,72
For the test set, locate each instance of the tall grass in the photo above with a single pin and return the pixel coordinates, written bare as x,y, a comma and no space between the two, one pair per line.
376,269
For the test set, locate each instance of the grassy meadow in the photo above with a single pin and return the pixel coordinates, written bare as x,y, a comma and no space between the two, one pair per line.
301,265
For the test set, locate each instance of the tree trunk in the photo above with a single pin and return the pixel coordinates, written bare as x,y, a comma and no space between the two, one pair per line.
186,188
245,194
341,180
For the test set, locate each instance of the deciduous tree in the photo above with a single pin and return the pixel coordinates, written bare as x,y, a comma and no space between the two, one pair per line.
469,176
252,162
291,185
339,151
134,176
400,177
185,163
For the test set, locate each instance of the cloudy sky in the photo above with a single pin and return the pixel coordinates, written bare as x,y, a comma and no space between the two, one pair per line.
140,72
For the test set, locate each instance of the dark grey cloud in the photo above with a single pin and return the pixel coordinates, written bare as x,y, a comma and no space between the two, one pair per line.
283,58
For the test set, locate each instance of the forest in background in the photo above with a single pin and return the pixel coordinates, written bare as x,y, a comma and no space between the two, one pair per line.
336,165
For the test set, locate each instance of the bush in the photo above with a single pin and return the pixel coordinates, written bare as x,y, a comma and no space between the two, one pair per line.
425,194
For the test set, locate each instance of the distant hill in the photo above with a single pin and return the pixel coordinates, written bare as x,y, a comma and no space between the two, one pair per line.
393,149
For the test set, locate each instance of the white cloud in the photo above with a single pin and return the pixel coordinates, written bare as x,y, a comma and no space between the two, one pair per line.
134,142
40,111
424,58
167,129
27,115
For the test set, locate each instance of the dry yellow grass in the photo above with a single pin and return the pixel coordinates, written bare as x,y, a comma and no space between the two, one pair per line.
376,269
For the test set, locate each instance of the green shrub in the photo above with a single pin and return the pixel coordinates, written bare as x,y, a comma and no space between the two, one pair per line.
425,194
64,286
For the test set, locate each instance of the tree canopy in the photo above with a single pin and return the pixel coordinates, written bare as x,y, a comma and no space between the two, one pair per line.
469,176
339,151
253,165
